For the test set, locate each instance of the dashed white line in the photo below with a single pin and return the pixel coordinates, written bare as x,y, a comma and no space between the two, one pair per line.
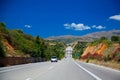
51,67
93,75
28,79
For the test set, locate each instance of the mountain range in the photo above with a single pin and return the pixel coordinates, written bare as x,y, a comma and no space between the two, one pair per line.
85,38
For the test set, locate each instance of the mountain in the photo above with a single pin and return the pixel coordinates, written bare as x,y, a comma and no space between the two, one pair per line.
86,38
106,34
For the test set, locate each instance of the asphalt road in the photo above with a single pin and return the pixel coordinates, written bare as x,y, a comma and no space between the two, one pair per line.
66,69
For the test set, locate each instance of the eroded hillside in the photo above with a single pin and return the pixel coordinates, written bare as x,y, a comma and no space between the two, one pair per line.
97,49
103,49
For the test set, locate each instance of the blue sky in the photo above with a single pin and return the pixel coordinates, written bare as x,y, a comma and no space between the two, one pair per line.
60,17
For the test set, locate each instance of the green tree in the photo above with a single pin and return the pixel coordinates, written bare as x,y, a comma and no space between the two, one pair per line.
3,27
103,38
39,48
115,38
78,49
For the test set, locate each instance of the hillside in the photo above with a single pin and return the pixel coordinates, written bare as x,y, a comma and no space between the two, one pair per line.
86,38
103,49
15,43
107,34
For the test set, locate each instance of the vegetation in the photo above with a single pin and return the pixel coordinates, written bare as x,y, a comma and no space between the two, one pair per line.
101,40
3,28
112,54
65,40
79,49
115,39
28,45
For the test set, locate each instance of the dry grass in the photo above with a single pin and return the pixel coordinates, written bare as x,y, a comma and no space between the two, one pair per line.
110,64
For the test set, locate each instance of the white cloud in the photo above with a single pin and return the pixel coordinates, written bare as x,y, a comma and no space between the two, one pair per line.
98,27
81,26
66,24
115,17
75,26
27,26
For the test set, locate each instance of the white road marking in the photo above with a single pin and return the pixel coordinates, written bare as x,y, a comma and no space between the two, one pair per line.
28,79
93,75
51,67
100,66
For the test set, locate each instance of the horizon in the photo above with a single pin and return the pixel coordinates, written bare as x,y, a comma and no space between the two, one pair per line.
56,18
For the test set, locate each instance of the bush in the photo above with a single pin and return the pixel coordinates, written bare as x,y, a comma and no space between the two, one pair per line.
88,59
115,39
3,27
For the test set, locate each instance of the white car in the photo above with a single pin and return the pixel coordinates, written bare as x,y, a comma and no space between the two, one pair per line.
54,59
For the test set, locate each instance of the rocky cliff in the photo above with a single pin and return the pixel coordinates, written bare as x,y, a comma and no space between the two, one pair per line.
94,50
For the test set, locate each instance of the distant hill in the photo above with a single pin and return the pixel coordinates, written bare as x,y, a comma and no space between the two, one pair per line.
106,34
86,38
65,38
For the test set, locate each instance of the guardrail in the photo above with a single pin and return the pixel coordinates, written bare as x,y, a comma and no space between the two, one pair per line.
8,61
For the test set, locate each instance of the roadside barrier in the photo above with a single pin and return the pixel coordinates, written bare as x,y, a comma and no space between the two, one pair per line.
9,61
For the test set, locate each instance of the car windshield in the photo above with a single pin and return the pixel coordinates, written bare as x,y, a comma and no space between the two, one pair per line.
54,57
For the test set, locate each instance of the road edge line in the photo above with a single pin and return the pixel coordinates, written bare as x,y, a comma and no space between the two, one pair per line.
93,75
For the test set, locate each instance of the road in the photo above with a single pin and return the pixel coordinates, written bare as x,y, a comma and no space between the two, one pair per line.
66,69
